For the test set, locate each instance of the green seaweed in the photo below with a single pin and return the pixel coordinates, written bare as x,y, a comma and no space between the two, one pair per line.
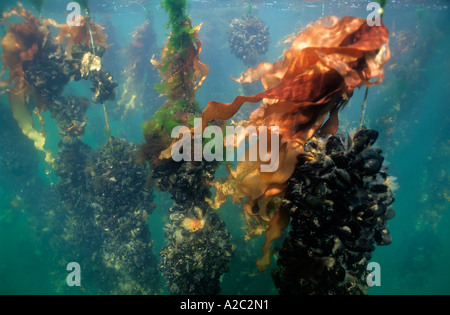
177,82
181,32
162,122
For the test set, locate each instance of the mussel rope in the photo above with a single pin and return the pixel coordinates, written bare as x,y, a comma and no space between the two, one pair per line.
108,128
363,107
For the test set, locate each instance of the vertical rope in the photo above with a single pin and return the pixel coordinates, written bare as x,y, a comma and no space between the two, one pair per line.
108,129
363,107
90,31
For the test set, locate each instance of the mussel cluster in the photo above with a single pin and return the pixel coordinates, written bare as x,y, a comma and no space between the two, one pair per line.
46,72
86,64
70,115
198,247
80,239
339,204
107,205
50,71
248,37
100,219
121,201
198,251
186,182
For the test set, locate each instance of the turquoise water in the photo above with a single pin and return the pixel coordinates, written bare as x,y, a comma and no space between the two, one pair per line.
409,109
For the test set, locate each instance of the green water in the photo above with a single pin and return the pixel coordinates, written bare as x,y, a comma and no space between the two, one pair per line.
409,109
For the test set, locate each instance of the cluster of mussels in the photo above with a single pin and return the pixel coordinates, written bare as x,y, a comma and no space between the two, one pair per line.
339,204
108,203
80,239
86,64
121,202
50,71
47,71
186,182
248,37
70,116
104,225
198,247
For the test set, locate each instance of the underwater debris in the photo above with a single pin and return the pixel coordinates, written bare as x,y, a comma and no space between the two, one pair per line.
248,38
339,204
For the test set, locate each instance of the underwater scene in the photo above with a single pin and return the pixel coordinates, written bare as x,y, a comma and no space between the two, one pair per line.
224,147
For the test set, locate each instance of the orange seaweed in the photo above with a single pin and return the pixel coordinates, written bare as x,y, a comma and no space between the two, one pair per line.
279,222
20,44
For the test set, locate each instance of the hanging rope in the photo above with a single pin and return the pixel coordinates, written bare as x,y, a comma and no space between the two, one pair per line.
90,31
363,107
108,129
